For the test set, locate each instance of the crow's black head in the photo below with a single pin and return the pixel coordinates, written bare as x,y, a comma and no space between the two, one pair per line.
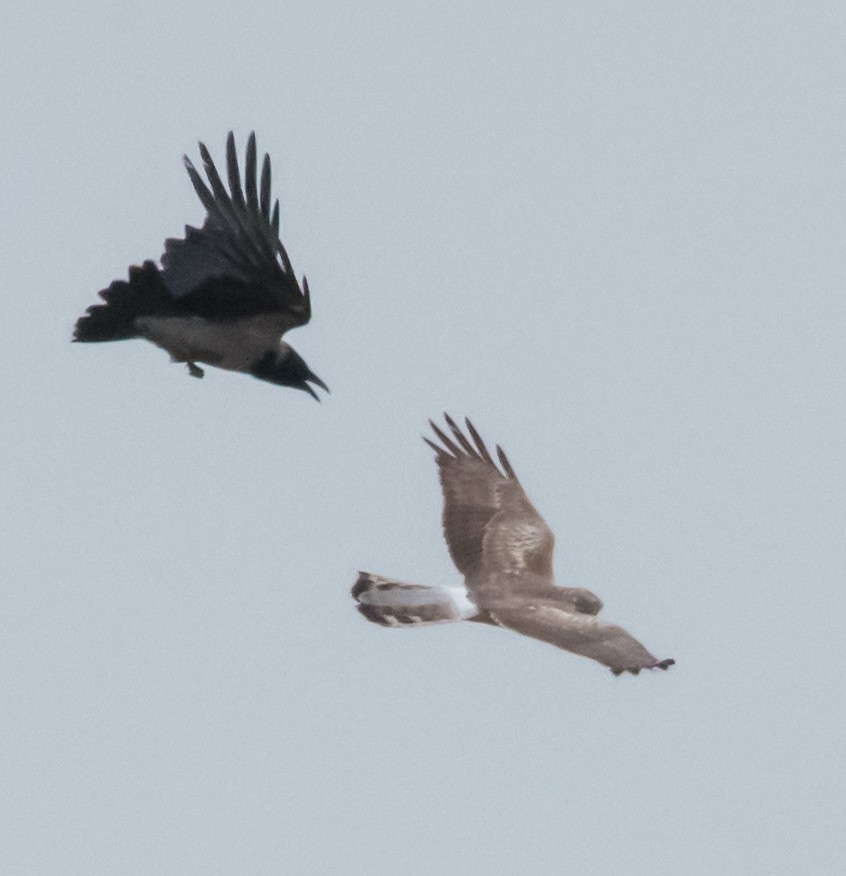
286,367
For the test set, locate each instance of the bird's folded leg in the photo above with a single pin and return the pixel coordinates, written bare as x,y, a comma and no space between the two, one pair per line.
194,370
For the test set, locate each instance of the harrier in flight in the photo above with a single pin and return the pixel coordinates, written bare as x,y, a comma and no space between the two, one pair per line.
225,293
503,548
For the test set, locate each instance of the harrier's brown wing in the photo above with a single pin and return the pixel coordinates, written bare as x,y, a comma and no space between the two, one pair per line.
582,634
489,523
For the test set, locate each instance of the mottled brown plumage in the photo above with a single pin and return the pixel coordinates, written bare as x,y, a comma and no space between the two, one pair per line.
504,548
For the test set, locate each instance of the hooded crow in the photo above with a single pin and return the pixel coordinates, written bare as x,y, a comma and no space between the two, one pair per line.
225,293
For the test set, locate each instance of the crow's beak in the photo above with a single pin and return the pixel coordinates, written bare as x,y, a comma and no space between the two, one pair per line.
313,378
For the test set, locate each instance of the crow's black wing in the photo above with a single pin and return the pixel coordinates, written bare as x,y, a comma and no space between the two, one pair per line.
235,265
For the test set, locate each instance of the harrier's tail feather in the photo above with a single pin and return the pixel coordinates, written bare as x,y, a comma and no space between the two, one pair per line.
394,603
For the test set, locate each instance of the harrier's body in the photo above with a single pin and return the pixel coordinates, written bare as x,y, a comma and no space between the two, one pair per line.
504,549
225,293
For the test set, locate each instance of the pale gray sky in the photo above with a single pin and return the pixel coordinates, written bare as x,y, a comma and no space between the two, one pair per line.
614,234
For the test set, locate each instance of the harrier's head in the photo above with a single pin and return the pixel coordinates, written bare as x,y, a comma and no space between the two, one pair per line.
584,601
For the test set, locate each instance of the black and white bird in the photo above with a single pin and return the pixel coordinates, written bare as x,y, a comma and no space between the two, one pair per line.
503,548
225,293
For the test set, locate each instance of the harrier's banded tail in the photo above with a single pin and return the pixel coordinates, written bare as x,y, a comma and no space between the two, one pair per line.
395,604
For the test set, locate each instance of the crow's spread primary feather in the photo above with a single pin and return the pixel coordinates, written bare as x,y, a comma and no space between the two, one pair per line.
503,548
225,293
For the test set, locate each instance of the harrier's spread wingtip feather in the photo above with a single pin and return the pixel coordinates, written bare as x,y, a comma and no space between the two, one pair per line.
468,448
452,448
483,450
505,463
438,450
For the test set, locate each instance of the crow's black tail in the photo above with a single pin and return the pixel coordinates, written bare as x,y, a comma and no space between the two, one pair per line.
143,295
